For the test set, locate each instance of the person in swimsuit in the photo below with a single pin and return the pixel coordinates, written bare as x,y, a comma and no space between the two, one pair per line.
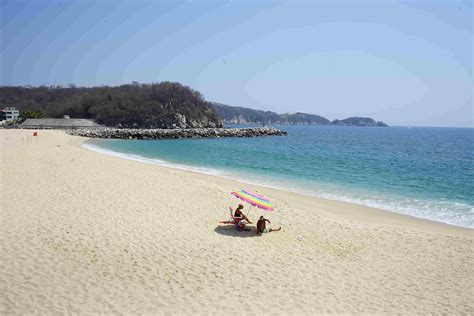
238,210
244,219
238,218
261,226
239,214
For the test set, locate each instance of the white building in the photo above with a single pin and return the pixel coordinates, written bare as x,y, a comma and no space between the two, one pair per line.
10,114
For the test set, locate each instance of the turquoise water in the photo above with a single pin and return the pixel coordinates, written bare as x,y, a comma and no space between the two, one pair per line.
424,172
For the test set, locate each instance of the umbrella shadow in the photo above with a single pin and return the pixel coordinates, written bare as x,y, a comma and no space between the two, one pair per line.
229,230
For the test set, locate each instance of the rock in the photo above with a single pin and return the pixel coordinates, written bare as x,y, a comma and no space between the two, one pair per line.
180,120
358,121
176,133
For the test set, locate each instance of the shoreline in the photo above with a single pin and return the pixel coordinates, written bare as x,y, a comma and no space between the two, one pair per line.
164,164
88,233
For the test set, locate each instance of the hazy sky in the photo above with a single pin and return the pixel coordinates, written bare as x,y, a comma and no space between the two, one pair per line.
404,62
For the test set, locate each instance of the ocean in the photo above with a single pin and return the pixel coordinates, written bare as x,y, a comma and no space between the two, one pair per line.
419,171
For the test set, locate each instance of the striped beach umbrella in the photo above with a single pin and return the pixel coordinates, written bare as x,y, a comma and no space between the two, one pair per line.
254,199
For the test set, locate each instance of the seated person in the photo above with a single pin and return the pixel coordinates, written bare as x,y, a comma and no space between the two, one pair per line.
237,217
261,226
238,210
239,214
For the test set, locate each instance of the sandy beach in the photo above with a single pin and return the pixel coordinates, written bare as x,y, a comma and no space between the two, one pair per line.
83,232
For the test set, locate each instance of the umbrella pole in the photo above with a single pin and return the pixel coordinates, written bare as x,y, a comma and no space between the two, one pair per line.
249,210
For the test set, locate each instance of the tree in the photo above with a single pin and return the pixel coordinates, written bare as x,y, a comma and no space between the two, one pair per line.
140,105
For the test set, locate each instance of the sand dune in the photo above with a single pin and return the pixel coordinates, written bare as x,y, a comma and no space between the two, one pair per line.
83,232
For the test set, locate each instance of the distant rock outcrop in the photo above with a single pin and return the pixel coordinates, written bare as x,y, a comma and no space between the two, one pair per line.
240,115
304,118
358,121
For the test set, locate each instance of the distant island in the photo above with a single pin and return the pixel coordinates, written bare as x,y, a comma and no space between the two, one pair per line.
241,115
157,105
358,121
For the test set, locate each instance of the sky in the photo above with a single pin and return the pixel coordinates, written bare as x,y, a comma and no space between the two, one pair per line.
403,62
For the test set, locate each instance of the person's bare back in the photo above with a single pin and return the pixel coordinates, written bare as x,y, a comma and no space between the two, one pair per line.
262,226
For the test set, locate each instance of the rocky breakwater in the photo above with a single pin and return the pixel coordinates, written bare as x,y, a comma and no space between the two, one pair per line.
175,133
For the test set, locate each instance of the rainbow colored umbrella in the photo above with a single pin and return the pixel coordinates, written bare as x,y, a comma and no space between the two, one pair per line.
254,199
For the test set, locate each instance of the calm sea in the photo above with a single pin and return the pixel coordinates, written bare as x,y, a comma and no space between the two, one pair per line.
424,172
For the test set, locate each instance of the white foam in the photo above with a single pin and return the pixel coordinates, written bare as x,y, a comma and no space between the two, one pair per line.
151,161
453,213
